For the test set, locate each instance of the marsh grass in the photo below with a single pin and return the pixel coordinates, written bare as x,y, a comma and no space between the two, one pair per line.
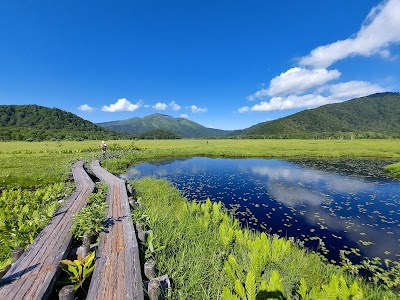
394,170
198,239
151,150
36,164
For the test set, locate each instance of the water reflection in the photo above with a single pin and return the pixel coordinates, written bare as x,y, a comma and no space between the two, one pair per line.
328,210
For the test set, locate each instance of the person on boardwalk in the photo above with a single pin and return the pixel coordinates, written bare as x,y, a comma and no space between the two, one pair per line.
103,148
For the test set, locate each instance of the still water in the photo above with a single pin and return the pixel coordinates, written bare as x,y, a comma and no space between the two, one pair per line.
329,205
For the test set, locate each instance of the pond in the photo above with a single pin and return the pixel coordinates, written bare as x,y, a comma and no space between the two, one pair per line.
329,205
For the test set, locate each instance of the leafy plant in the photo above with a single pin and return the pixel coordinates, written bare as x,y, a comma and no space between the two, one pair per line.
79,270
90,220
150,251
24,214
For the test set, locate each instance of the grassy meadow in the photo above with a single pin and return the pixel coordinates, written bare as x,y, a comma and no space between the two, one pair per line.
36,166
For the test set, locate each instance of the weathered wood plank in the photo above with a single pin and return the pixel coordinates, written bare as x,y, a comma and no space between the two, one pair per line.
117,273
33,275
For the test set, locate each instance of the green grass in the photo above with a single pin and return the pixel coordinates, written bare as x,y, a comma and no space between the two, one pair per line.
197,241
36,164
394,170
256,148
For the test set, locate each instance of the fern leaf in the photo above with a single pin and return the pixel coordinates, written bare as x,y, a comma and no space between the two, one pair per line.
275,282
303,288
344,291
251,289
331,290
356,292
234,264
263,285
239,289
227,295
230,273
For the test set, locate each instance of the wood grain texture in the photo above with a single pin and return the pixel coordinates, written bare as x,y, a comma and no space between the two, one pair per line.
117,273
33,275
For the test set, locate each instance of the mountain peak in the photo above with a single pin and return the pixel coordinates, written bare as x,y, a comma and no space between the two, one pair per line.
180,126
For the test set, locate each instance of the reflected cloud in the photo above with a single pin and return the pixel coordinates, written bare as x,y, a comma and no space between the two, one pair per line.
295,197
291,177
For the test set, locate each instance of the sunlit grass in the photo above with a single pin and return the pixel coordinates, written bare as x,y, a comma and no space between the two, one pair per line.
394,170
30,164
257,148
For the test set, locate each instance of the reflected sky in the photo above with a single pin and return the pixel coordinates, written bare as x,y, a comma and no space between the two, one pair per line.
327,210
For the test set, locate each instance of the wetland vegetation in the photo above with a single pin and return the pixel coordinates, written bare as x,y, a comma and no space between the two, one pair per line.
32,166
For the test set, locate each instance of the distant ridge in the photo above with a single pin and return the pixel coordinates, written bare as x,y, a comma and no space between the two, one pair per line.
377,113
180,126
374,116
37,123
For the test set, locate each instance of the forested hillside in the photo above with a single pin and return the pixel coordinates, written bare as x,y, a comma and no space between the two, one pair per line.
373,116
180,126
37,123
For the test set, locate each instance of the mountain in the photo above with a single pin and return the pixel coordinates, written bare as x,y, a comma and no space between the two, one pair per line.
377,113
37,123
180,126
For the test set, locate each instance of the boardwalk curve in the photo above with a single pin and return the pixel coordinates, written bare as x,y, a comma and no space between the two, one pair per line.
117,273
33,275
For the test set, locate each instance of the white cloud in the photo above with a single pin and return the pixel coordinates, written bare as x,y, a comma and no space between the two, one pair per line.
185,116
86,107
337,93
354,89
243,109
196,109
174,106
297,80
121,105
160,106
291,102
380,30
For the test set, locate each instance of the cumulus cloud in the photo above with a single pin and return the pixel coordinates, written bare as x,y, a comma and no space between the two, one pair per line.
85,107
291,102
354,89
196,109
185,116
298,80
174,106
160,106
336,93
121,105
380,29
295,81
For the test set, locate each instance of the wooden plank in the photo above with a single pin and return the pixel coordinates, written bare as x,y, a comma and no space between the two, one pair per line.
117,273
33,275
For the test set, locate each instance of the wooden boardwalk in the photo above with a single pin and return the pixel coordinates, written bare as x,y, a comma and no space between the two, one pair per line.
33,275
117,273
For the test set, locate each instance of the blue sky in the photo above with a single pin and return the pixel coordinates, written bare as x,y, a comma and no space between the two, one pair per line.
223,64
